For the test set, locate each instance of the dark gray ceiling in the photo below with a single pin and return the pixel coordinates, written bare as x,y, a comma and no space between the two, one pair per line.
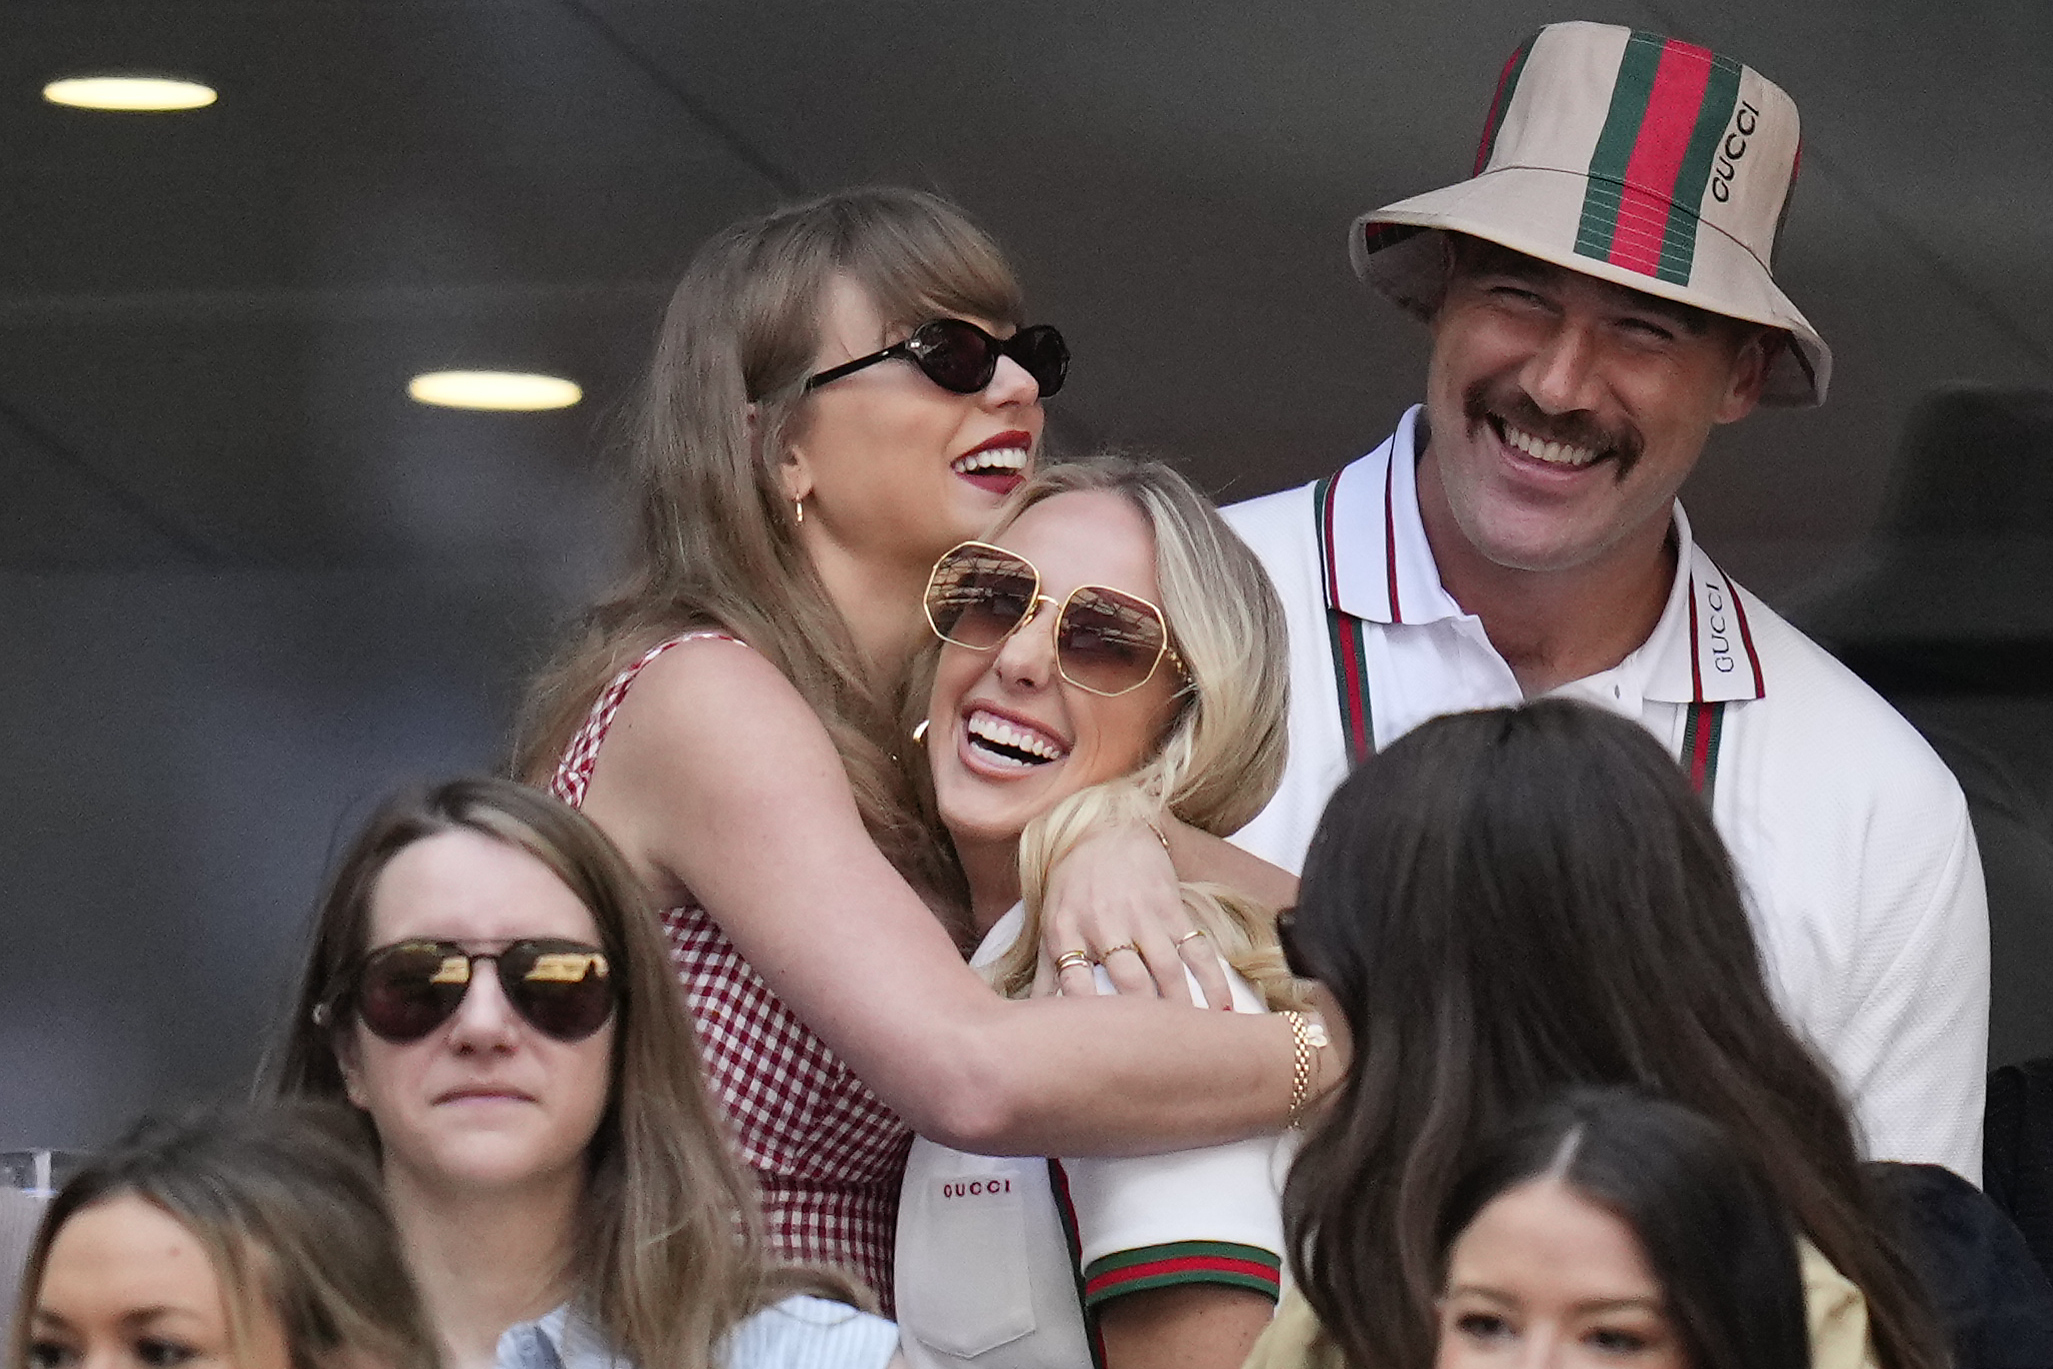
206,319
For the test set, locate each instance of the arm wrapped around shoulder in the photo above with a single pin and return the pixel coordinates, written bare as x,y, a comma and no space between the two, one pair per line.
1239,930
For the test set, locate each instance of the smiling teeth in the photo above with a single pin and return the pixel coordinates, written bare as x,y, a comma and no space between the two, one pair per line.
988,727
1553,453
991,459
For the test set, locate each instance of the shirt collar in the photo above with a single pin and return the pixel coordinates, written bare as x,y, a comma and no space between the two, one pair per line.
1702,649
1380,568
557,1340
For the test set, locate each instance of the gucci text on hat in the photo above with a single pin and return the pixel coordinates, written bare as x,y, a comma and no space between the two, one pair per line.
1641,160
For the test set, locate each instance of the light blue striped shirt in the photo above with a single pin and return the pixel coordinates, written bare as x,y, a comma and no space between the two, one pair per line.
797,1333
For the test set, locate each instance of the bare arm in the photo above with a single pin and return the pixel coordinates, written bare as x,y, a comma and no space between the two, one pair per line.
1201,856
1101,895
1194,1326
717,778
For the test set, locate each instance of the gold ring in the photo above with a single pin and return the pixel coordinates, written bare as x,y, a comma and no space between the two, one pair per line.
1122,946
1187,936
1073,960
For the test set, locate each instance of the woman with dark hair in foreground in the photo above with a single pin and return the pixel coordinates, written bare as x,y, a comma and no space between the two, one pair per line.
1611,1227
1503,904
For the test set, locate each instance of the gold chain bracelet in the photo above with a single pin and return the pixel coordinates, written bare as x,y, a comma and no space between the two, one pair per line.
1307,1038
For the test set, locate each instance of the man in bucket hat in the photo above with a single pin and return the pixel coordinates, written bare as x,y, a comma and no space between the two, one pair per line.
1599,298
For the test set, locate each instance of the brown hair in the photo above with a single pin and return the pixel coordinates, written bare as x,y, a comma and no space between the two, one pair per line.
1508,902
293,1222
715,545
666,1207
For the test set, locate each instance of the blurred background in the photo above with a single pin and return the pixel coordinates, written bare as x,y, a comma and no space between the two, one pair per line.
247,584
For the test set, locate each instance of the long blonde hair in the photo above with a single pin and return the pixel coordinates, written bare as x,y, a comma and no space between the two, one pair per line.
1221,756
666,1207
715,542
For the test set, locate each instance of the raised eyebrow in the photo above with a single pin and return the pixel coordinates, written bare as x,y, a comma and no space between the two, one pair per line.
1689,320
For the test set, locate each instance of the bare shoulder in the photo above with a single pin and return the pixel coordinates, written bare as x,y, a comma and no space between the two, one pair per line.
709,725
703,692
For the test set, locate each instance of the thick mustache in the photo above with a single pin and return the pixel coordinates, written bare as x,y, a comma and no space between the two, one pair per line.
1575,429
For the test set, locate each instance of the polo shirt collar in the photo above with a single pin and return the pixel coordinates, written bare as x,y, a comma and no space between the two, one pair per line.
1379,567
1702,650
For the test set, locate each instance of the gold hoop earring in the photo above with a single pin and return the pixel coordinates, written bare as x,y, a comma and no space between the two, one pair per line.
919,733
799,506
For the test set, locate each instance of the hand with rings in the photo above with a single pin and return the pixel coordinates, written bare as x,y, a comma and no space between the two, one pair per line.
1074,960
1117,889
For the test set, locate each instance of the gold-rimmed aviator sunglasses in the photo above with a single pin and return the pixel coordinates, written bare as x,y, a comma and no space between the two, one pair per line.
1107,642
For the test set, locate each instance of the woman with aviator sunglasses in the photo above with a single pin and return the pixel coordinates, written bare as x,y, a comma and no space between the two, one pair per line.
841,392
487,988
1112,651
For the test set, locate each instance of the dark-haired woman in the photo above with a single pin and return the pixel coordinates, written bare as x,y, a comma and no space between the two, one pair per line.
844,390
1503,904
1608,1227
251,1240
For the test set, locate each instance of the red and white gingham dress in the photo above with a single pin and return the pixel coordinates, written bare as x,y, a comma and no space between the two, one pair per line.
827,1154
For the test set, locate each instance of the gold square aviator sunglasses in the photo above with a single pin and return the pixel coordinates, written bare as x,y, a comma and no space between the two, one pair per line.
1107,642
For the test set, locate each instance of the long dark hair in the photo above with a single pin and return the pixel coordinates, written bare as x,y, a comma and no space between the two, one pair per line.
293,1222
666,1206
1512,901
1717,1240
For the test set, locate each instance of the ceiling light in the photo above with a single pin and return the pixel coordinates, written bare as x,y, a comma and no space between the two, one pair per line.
137,94
493,390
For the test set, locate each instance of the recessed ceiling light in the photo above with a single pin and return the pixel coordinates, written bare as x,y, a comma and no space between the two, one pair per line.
493,390
137,94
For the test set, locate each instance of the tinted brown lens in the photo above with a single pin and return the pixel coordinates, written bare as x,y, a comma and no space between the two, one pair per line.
957,356
1108,641
408,990
563,989
976,597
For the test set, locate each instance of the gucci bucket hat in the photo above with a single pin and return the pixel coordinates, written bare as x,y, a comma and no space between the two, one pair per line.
1641,160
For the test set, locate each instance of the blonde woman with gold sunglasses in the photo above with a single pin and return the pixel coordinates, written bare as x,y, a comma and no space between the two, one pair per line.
1110,654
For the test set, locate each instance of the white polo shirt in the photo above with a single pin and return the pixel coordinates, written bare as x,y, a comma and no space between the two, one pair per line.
1001,1259
1850,835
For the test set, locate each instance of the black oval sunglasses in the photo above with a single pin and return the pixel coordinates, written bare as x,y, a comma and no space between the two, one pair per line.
961,358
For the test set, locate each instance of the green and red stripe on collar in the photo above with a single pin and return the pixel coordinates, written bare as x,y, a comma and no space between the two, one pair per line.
1344,630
